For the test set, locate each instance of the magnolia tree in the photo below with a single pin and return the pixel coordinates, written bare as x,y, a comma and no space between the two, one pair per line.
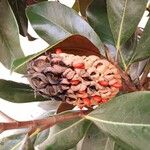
94,73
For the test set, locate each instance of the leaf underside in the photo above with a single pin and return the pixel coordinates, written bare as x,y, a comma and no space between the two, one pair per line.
75,44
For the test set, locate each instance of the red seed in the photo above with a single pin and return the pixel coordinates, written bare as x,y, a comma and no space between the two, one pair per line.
117,85
103,83
97,98
82,92
58,50
87,102
74,82
79,66
104,100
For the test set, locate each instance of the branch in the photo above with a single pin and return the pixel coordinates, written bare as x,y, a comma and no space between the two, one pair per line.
43,122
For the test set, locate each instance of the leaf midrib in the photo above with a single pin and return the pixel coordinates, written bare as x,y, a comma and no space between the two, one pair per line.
119,35
121,25
116,123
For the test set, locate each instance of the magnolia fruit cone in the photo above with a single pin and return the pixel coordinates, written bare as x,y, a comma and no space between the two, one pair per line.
78,80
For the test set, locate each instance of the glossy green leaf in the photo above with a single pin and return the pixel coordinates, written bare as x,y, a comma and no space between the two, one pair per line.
75,44
18,7
17,92
126,118
54,21
122,26
142,50
9,37
128,49
98,19
65,135
94,139
136,51
124,16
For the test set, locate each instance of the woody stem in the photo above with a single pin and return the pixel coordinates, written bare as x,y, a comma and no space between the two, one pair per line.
43,122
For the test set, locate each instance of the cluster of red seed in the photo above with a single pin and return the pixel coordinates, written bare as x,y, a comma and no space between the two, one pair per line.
94,99
82,81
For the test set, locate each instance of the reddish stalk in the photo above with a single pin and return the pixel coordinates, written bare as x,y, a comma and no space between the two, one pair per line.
42,122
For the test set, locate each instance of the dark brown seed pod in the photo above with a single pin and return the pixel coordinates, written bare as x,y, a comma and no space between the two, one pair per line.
79,80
